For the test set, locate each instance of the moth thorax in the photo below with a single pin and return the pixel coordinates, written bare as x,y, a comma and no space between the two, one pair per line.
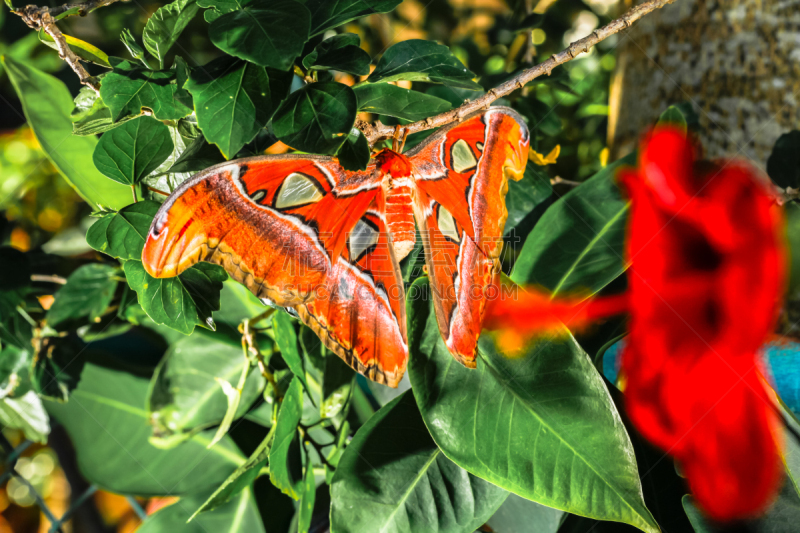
399,213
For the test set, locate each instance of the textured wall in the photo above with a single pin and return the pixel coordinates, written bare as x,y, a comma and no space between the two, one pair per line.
738,61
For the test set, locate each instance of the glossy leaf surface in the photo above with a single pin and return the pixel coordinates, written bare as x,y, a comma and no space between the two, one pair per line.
394,101
107,423
578,244
547,409
132,151
392,477
419,60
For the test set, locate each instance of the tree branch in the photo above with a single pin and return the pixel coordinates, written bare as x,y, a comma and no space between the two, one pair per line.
378,131
45,19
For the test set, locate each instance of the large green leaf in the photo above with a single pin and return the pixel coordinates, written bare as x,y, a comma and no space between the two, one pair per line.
578,244
285,463
354,154
130,88
47,105
316,118
165,26
181,302
305,509
132,151
394,101
392,477
122,234
518,514
326,14
340,52
233,101
419,60
107,422
532,424
86,295
185,395
268,33
237,516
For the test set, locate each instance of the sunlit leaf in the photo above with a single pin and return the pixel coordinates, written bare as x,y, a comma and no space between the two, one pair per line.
130,88
122,234
316,118
86,51
233,101
268,33
165,26
26,413
551,395
578,244
132,151
419,60
47,104
181,302
394,101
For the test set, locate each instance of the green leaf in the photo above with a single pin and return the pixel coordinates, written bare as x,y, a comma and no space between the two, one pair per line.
241,478
237,516
91,115
185,396
107,423
233,101
122,234
673,116
180,303
165,26
419,60
392,477
129,153
268,33
326,14
337,381
792,214
221,6
340,52
394,101
129,89
306,506
285,463
523,198
198,156
15,362
47,104
26,413
133,47
86,295
578,244
783,165
354,154
487,419
316,118
518,514
87,52
286,339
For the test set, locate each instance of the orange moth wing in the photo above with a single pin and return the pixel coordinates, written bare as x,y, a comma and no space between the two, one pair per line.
462,174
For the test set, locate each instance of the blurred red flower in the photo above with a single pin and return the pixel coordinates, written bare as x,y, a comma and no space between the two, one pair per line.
705,282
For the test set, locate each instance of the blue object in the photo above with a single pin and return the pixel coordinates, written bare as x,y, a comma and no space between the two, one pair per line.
783,367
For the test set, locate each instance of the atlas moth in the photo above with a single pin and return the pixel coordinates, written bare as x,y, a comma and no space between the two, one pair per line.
304,233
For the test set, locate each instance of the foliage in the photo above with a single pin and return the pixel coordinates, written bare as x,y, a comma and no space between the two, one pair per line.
225,396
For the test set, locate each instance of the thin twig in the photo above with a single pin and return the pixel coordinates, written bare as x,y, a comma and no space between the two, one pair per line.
378,131
48,279
157,191
43,18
